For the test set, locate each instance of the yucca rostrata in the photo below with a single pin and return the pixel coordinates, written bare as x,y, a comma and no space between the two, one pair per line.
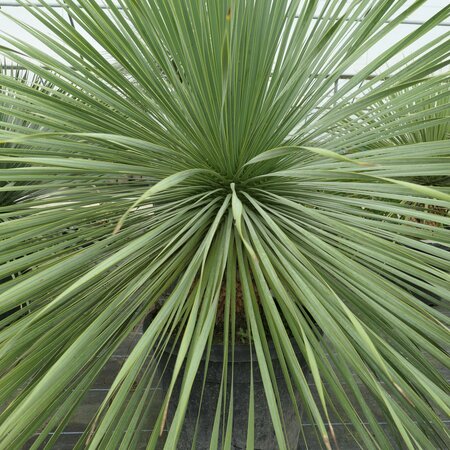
210,110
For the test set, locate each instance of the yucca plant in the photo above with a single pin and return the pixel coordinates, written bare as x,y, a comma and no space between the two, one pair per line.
430,112
10,123
432,116
230,226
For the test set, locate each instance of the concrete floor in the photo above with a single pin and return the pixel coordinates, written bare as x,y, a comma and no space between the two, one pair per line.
99,390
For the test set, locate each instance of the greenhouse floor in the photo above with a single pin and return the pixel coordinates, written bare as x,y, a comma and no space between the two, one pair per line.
99,391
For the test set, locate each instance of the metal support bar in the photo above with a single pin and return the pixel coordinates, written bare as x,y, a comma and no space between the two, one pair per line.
58,5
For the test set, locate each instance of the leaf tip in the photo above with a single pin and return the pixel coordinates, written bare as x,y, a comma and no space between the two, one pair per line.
164,419
117,228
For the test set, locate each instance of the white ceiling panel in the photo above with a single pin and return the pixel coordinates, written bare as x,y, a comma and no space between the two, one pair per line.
426,11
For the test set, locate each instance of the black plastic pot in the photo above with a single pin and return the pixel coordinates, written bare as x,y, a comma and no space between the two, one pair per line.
264,432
